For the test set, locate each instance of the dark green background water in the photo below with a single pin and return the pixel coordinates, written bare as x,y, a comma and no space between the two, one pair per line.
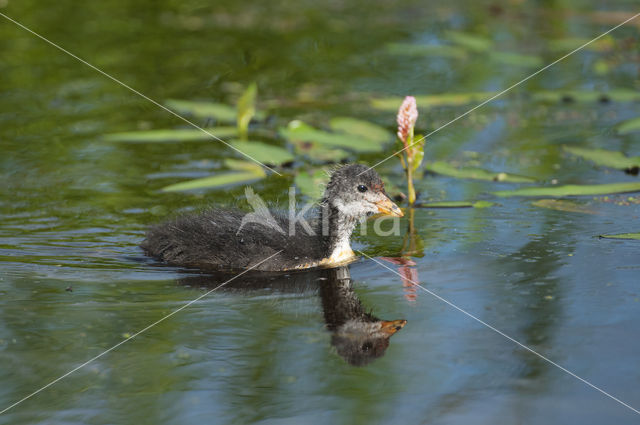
73,209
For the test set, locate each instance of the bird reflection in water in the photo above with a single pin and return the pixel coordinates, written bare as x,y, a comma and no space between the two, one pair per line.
358,336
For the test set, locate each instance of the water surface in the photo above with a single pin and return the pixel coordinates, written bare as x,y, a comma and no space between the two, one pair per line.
74,208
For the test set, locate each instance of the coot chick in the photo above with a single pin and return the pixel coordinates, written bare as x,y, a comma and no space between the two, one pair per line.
220,239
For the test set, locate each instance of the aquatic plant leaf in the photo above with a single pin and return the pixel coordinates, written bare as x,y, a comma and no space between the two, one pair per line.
247,109
361,128
445,99
172,135
604,157
470,41
457,204
236,164
570,43
563,205
516,59
314,150
217,181
418,151
629,126
602,67
483,204
615,95
263,152
426,50
301,132
311,183
635,236
441,167
219,111
557,96
573,190
319,152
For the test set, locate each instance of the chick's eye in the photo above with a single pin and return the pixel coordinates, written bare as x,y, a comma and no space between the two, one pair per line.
362,188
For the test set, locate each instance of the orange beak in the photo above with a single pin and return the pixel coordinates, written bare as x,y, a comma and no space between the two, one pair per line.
392,327
385,206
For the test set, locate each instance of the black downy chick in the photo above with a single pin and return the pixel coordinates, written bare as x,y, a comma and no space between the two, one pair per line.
219,239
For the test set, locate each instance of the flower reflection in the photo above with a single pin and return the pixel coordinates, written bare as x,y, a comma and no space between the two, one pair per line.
408,273
412,245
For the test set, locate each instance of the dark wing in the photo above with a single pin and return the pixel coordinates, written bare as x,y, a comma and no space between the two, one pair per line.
220,239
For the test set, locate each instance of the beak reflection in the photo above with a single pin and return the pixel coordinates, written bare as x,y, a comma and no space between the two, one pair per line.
391,327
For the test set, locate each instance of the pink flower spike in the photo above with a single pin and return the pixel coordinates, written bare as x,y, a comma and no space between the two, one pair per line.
407,117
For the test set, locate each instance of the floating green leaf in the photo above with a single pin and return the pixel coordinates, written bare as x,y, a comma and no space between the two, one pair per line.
571,43
297,131
427,50
319,152
311,184
246,109
556,96
361,129
616,95
605,158
447,169
629,126
602,67
483,204
563,205
470,41
635,236
573,190
240,165
446,204
446,99
263,152
217,181
219,111
175,135
456,204
516,59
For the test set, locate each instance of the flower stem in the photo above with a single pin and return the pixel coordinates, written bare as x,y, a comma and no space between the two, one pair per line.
410,189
